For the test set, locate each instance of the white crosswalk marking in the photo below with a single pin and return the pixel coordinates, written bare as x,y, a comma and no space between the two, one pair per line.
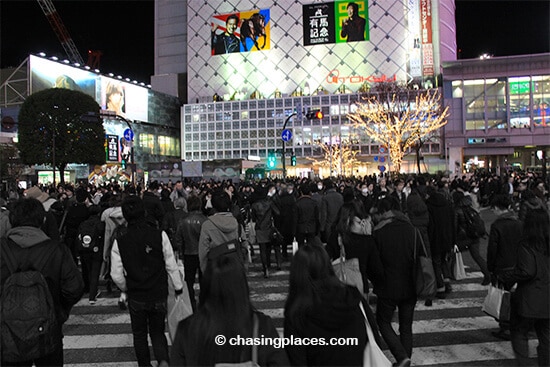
451,331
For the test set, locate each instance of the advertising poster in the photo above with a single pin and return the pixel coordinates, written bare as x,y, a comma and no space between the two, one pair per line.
46,74
125,99
335,22
112,148
225,169
246,31
9,116
427,45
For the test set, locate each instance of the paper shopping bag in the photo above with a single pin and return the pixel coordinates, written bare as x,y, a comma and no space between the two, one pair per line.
497,303
459,271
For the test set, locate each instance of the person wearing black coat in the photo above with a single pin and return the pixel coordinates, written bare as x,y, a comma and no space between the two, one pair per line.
307,216
153,207
531,300
319,305
395,238
287,218
26,241
441,230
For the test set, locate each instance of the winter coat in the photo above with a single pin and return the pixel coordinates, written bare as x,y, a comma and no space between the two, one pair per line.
532,296
307,215
153,208
188,233
335,314
141,261
363,248
330,207
262,214
463,239
287,218
418,213
171,222
77,213
61,273
113,219
217,229
441,229
187,352
395,239
503,244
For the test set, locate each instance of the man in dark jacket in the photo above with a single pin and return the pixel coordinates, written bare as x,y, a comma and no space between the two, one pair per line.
77,212
330,206
154,211
442,235
287,219
141,261
27,241
502,247
395,238
307,216
187,243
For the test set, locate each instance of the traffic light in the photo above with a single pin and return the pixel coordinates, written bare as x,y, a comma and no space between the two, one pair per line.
314,114
293,160
271,160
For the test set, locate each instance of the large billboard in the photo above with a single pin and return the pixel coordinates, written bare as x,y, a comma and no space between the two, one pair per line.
244,31
125,99
335,22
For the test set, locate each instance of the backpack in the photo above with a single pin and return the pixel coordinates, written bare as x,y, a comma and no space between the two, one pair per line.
474,225
29,326
90,236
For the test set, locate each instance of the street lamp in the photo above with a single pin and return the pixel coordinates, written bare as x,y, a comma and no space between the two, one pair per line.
283,153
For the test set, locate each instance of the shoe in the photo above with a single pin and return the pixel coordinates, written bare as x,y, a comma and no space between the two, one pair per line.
92,301
266,273
428,303
441,295
501,334
486,281
448,288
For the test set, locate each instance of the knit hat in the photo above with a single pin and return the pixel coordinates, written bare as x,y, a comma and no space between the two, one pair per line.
35,193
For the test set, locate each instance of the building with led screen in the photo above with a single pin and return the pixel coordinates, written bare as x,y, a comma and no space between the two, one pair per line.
268,59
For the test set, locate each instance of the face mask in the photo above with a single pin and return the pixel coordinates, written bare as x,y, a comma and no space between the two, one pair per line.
320,187
365,191
271,193
188,189
290,191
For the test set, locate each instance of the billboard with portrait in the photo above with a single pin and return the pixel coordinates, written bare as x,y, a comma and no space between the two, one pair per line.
46,74
125,99
245,31
335,22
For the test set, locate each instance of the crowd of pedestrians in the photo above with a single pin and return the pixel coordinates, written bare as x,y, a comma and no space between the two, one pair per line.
142,233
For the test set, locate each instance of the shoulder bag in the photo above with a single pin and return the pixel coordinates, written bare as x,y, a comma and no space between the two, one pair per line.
425,274
347,270
373,355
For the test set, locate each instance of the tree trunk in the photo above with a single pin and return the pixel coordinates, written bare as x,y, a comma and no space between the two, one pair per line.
61,169
418,159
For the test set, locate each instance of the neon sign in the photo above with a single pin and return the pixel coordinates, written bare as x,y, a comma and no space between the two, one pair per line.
334,77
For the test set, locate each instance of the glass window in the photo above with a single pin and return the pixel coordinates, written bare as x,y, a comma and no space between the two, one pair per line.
261,103
541,99
253,114
253,133
261,124
244,134
474,99
227,135
253,125
236,135
519,89
211,145
495,91
244,124
244,115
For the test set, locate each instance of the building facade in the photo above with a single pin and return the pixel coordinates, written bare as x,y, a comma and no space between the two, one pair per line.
499,113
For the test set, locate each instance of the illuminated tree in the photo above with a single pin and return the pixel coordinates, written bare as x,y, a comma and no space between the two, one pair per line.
400,119
51,130
339,158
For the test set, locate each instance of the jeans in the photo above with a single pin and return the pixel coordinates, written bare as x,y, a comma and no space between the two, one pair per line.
400,346
90,271
191,267
148,317
54,359
519,330
441,270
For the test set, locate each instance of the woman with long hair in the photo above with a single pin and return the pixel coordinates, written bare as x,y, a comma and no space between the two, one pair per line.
224,309
531,300
320,306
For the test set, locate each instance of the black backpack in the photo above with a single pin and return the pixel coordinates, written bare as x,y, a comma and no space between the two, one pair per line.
29,326
90,236
474,225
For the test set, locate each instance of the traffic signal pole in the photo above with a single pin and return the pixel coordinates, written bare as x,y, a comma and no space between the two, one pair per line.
283,157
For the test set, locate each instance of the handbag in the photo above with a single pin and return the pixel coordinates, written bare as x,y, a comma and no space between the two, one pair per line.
425,274
347,270
179,307
254,361
294,247
459,271
497,303
373,355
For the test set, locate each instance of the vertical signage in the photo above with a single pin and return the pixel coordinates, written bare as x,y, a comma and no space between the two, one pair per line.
319,24
112,148
427,45
415,63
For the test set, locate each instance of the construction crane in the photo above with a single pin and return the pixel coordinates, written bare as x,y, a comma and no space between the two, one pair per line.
60,30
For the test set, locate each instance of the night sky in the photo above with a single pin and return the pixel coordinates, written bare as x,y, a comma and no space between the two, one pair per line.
123,31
